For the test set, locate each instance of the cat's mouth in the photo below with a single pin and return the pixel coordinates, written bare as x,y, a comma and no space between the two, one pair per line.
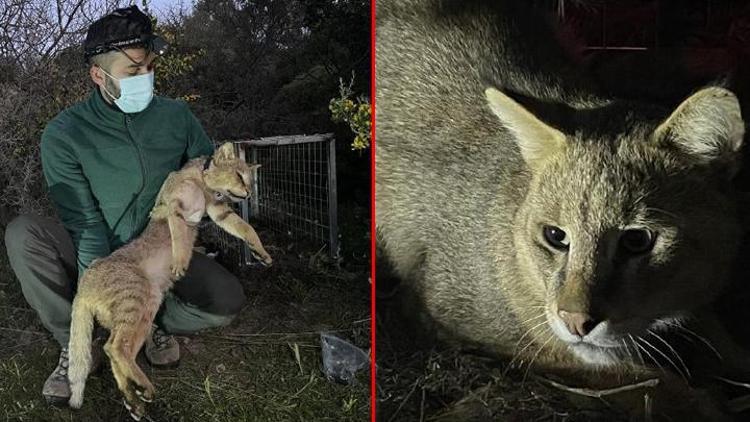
605,334
603,346
610,343
607,343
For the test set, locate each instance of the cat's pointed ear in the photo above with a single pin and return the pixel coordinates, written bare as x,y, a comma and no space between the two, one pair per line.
536,140
707,126
225,152
254,167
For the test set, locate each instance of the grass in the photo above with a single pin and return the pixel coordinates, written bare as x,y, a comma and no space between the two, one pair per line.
265,366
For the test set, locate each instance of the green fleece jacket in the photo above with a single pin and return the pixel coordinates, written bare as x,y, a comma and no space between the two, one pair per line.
104,167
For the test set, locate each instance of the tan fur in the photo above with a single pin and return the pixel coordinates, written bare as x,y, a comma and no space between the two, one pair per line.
124,290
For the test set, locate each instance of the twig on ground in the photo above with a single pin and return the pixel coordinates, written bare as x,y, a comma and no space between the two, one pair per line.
295,350
187,384
648,405
312,379
311,261
421,406
649,383
403,402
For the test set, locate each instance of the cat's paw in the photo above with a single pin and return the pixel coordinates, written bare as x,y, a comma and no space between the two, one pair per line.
264,258
267,260
179,268
137,410
180,263
145,393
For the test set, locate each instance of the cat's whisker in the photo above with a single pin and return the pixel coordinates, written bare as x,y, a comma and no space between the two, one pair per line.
532,319
656,362
531,362
694,334
677,355
627,350
661,211
665,356
641,197
637,350
518,353
529,332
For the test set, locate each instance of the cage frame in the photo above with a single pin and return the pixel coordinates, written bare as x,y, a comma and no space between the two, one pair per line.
247,150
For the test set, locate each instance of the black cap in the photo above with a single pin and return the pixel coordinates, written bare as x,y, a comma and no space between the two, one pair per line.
123,28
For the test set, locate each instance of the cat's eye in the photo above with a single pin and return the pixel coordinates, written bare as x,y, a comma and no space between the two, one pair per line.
243,178
637,241
556,237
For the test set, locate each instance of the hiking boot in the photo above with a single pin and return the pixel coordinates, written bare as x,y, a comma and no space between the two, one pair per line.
162,349
56,389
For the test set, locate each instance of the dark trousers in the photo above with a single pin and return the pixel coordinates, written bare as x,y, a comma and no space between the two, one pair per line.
44,260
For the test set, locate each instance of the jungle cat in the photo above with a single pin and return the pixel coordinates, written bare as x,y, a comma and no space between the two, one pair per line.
123,291
536,218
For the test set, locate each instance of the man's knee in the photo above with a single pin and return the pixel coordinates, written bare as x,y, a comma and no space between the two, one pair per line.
19,233
228,298
217,307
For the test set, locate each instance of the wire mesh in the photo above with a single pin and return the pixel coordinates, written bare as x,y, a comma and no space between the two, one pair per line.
229,247
294,192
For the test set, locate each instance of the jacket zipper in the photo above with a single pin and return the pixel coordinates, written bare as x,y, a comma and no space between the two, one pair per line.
134,204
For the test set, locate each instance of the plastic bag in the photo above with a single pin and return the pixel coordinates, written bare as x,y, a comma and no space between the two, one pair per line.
341,359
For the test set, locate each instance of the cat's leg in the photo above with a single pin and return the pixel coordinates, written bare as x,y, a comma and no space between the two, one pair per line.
186,208
142,386
118,348
233,224
182,249
115,359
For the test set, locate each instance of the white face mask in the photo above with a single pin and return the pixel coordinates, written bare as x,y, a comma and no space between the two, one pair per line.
136,92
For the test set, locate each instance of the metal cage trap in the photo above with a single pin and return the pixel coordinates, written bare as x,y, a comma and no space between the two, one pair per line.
294,194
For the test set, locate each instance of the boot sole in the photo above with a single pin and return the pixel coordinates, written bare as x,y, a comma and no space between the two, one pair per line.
171,365
57,401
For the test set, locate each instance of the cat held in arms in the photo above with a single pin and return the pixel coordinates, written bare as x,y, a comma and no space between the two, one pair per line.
123,291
